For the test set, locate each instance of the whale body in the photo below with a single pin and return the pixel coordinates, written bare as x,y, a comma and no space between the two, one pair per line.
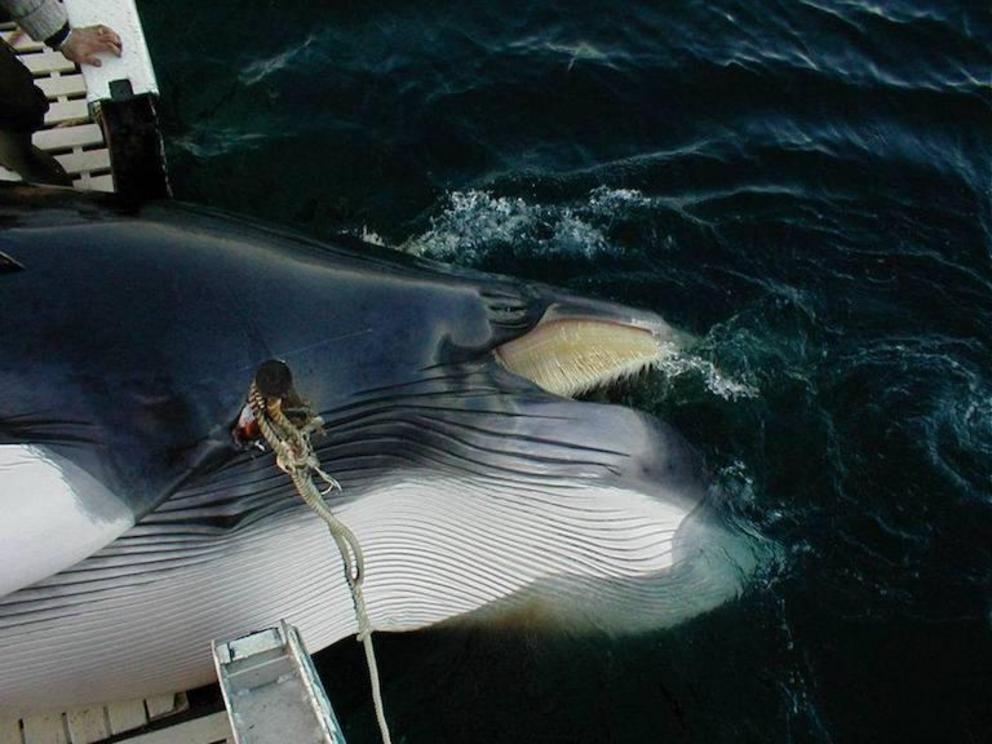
134,528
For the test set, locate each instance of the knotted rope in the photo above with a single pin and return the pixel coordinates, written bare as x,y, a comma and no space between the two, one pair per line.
295,456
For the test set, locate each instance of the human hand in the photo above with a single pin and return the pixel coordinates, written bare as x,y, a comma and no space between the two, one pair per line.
83,44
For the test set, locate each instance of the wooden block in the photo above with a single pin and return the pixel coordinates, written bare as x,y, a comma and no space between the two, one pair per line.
64,138
47,729
161,705
126,715
86,161
67,111
86,725
96,183
24,42
63,85
44,62
10,731
207,730
182,702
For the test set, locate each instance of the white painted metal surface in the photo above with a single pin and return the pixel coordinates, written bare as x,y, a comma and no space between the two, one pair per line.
134,64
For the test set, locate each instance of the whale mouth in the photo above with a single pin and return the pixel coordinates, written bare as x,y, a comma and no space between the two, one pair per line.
573,356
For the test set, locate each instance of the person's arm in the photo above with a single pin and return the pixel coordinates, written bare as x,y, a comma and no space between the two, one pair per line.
43,20
46,20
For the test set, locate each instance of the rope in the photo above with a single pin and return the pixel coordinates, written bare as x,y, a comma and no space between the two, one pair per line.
295,457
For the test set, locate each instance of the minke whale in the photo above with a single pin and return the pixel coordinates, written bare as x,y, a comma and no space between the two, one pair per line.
134,528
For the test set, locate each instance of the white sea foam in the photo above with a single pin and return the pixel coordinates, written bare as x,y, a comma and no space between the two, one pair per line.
215,142
260,69
606,201
676,361
473,224
371,236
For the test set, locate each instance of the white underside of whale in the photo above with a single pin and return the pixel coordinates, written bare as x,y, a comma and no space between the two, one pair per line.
52,515
137,621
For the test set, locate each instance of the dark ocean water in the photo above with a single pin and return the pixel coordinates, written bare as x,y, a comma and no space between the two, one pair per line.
804,186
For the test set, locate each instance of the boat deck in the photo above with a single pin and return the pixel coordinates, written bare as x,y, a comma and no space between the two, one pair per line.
112,722
70,134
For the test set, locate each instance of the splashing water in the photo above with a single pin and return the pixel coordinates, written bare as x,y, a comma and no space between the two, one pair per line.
474,224
677,361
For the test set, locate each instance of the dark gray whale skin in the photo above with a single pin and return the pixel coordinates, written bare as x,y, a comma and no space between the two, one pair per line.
130,335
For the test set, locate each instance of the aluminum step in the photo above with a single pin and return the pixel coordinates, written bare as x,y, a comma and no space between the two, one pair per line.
272,691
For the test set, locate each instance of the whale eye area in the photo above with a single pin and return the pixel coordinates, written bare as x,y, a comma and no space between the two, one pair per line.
571,357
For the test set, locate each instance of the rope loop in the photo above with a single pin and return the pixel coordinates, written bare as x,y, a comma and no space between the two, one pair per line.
295,456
